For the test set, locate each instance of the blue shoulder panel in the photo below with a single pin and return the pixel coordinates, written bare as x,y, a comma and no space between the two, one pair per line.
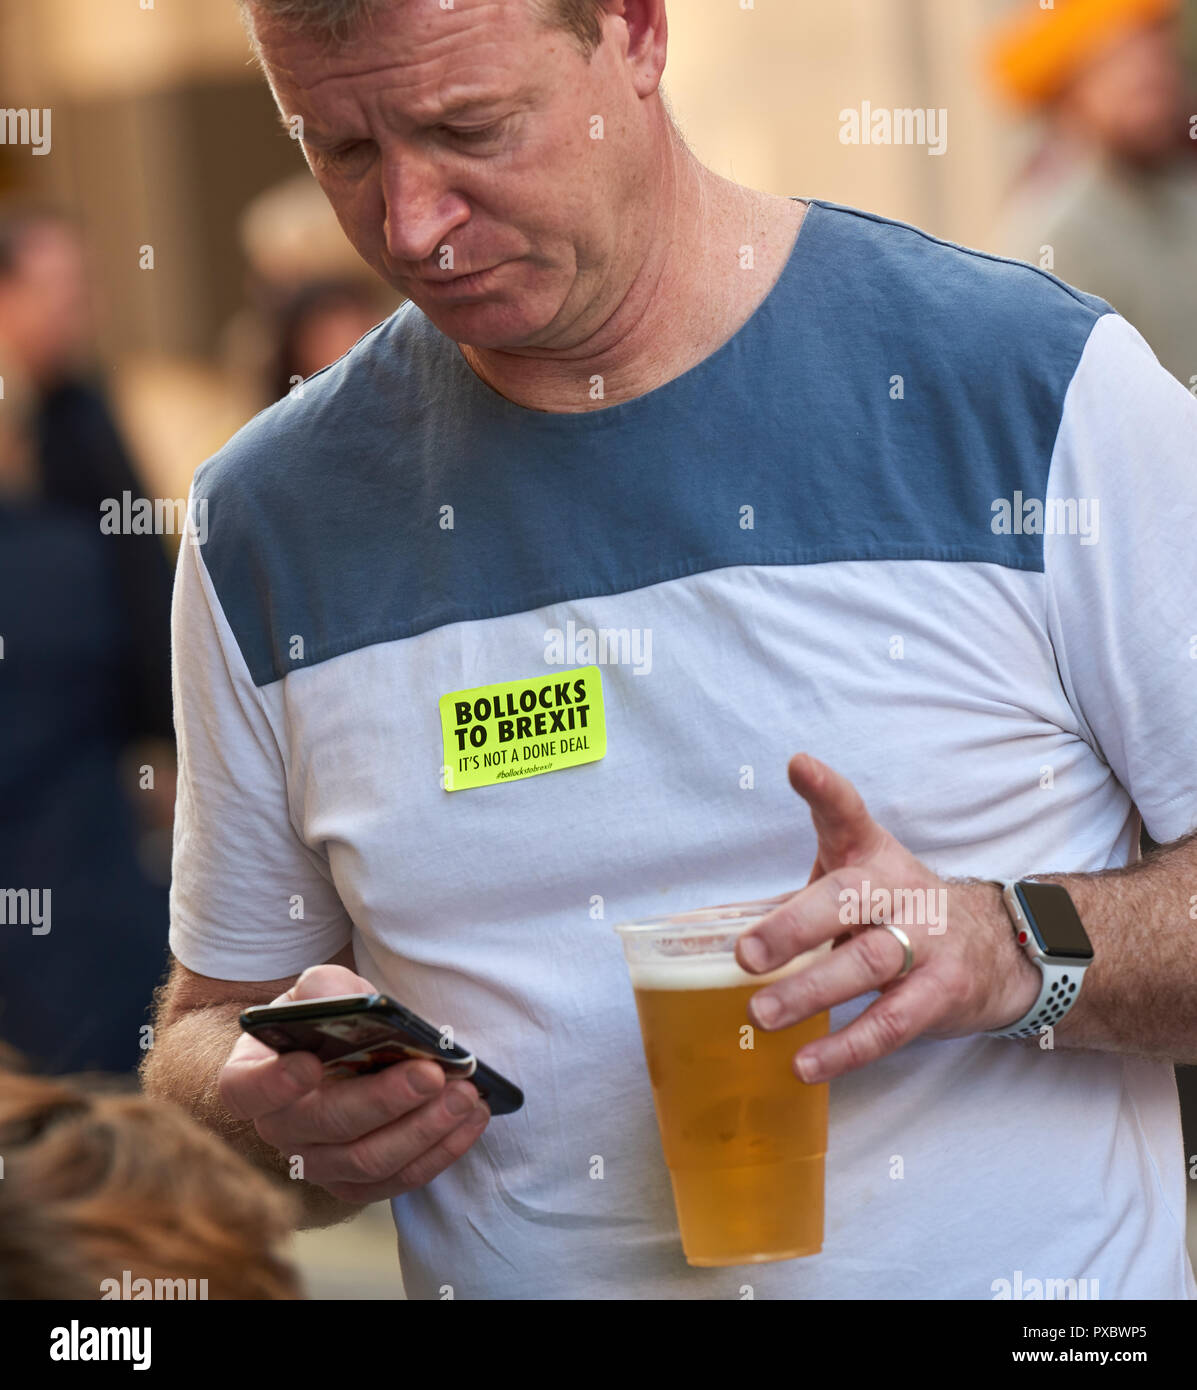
890,388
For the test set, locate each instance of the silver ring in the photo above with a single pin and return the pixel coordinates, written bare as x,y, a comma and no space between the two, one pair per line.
904,941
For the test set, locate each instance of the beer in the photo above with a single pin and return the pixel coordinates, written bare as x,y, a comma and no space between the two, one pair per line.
744,1139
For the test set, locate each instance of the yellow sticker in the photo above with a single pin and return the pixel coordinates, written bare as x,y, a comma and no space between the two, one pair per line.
500,733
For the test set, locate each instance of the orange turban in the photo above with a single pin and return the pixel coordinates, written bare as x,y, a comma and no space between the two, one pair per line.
1036,51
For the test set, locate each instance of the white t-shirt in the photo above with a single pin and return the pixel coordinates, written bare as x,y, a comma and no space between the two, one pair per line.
795,545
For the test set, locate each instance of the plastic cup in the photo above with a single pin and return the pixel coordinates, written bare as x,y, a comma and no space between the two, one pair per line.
744,1138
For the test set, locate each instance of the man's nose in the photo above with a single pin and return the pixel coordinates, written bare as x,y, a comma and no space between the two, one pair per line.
421,210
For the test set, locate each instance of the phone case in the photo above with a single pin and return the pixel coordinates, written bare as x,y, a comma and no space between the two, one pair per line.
357,1034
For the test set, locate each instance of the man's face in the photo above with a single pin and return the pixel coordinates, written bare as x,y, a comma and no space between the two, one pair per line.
470,128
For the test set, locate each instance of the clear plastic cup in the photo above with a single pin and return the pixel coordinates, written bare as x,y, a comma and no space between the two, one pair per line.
744,1138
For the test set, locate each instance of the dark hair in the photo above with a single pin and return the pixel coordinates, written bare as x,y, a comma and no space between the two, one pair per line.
299,309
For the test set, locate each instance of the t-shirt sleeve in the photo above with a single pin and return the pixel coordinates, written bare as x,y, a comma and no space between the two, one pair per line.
1122,601
249,899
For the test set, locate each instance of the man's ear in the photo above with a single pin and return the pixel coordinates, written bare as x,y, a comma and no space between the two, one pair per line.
648,40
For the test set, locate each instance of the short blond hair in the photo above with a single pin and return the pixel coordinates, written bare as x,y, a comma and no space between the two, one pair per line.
336,20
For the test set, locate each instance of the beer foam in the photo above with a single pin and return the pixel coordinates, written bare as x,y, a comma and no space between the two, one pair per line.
710,971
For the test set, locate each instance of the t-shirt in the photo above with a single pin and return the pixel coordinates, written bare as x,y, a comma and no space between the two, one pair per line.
927,515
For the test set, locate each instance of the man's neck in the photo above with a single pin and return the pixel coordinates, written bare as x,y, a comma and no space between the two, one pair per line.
716,251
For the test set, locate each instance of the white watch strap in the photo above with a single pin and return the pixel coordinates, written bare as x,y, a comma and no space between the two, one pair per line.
1057,994
1059,987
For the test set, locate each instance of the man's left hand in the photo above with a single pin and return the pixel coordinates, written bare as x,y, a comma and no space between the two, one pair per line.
969,974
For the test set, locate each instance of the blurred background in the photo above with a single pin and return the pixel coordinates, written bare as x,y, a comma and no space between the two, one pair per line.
168,268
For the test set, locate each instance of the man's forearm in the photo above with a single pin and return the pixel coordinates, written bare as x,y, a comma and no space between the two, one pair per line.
183,1066
1140,993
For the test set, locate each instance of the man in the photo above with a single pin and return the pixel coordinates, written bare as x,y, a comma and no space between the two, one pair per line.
768,442
1112,189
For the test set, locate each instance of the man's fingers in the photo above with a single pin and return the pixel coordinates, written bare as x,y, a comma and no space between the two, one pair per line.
421,1170
343,1109
847,832
400,1154
256,1081
801,923
361,1138
321,981
867,962
428,1165
889,1023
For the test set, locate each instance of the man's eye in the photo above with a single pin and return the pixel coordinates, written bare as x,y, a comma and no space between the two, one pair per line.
345,154
474,134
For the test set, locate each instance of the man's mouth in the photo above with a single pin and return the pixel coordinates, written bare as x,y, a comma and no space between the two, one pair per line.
459,283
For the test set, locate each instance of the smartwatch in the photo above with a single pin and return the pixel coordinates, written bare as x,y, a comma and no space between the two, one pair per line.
1048,928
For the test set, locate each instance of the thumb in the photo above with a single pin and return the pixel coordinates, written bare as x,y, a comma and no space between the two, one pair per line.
320,981
847,833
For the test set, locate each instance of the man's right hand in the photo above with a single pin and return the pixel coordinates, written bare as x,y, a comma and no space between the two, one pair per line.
362,1138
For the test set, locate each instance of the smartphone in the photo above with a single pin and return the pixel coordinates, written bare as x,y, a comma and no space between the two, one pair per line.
355,1034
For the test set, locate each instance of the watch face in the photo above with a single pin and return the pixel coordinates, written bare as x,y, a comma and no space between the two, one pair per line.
1054,921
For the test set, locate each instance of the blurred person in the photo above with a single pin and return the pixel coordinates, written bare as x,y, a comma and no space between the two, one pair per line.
302,276
18,468
290,237
317,325
781,436
102,1190
84,681
1112,186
